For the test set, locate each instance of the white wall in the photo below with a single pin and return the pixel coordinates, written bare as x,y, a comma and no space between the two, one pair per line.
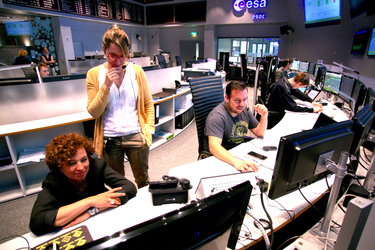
221,12
89,34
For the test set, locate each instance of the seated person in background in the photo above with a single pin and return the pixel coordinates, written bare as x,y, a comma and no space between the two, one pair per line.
22,58
281,97
230,122
74,188
43,70
282,71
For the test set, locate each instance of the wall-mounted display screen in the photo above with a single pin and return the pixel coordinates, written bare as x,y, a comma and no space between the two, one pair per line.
322,12
360,42
23,28
371,47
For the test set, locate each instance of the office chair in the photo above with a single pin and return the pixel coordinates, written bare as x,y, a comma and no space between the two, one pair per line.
207,93
161,61
178,61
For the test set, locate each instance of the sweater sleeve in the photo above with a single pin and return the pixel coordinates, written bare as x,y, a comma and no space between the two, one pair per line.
44,213
97,98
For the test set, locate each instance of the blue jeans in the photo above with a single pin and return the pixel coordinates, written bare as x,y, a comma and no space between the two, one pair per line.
136,150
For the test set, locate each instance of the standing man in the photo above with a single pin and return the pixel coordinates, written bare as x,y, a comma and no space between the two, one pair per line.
120,99
229,123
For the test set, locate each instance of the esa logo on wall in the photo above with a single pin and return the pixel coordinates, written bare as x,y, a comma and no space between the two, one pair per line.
241,5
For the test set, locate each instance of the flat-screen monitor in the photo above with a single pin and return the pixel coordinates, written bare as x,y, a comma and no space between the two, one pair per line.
317,66
311,69
323,120
332,82
321,72
370,97
189,227
358,94
301,157
347,85
346,89
318,13
362,124
295,65
303,66
371,47
357,7
233,59
22,28
360,41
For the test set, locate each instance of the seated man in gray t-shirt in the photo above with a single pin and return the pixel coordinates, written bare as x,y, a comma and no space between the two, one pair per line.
230,122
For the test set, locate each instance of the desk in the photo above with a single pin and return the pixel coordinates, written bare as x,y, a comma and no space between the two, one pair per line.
140,208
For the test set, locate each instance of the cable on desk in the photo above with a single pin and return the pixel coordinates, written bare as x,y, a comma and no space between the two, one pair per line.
312,205
261,228
360,163
17,236
367,157
286,210
304,236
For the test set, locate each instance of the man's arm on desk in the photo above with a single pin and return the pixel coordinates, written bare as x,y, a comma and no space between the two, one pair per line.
221,153
262,125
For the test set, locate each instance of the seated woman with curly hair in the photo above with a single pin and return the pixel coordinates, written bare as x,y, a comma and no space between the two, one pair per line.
74,188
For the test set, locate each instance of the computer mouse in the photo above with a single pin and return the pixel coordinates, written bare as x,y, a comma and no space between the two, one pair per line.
324,104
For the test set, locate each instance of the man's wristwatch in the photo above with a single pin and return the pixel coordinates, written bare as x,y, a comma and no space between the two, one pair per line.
93,210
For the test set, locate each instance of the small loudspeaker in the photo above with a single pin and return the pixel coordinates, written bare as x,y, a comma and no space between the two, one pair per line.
286,29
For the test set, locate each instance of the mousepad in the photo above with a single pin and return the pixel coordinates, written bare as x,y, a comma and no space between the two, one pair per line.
74,238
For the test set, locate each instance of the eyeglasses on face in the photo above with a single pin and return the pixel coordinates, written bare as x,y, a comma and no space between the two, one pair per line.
114,57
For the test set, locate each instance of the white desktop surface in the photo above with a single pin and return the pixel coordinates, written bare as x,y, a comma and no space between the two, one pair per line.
140,208
106,223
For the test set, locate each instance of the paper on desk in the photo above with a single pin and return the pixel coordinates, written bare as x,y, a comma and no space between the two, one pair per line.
31,155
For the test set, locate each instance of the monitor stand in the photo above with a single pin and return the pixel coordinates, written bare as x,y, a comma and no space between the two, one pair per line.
340,171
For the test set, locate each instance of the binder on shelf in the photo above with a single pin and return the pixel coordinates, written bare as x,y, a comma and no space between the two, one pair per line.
164,134
157,109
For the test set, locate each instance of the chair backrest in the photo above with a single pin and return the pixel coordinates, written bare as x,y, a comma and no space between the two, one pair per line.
207,93
243,66
161,61
178,61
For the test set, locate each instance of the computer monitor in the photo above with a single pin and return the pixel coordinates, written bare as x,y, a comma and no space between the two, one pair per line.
233,59
295,65
347,85
321,72
371,47
301,157
346,89
317,66
358,94
362,124
311,69
189,227
303,66
332,82
370,96
323,120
